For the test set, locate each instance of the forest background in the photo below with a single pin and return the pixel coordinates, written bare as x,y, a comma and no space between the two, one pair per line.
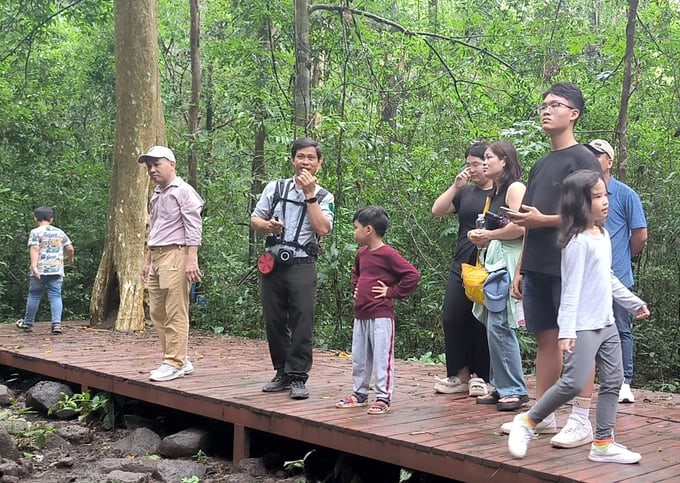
397,91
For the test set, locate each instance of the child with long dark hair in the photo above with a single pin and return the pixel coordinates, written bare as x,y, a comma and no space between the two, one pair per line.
587,331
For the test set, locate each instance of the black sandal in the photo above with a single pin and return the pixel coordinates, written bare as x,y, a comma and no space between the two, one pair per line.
491,398
512,405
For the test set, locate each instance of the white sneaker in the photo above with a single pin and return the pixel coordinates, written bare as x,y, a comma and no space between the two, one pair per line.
166,372
625,394
450,385
613,453
576,431
188,367
547,426
520,435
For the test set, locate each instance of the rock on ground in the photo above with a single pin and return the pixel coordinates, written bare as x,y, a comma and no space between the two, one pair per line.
141,441
45,395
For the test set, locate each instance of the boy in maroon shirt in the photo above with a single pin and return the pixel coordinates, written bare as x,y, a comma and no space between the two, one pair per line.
380,275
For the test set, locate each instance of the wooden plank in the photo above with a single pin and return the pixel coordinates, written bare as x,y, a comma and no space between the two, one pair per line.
445,435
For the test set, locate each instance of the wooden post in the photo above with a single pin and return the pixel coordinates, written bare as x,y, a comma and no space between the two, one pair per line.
241,443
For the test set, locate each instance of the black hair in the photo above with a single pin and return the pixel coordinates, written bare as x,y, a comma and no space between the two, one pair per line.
301,143
44,213
374,216
576,204
513,171
571,92
477,149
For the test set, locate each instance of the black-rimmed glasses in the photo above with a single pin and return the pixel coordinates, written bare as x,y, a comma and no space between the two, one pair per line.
552,106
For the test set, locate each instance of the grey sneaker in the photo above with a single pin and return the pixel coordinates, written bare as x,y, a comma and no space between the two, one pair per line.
298,389
281,382
23,326
188,367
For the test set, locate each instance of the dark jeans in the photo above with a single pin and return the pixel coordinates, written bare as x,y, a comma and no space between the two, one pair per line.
288,302
464,335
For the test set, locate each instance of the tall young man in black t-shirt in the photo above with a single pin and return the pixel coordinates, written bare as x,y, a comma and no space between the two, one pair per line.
538,281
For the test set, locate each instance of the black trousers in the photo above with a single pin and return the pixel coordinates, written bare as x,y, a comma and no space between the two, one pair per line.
464,335
288,302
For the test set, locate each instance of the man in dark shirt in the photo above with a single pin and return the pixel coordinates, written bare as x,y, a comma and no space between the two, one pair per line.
538,281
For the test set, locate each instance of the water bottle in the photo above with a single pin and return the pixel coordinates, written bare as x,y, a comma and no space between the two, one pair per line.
480,223
519,311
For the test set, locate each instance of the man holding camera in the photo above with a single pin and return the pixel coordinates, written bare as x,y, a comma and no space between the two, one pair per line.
294,213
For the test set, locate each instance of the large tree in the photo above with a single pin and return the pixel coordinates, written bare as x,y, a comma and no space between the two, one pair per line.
118,292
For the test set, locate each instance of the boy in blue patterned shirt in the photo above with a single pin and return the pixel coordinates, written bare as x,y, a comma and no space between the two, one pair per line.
47,245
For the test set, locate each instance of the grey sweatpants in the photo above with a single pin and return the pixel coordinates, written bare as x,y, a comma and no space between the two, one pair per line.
373,351
604,347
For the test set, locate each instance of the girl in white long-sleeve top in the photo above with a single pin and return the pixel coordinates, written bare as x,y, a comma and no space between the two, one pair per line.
587,331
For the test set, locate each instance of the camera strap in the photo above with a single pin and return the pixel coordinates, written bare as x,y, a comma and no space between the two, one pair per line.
303,212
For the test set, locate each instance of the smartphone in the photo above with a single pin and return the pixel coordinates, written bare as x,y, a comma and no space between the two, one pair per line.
504,210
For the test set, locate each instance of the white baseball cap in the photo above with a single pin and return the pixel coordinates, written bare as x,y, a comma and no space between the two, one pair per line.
157,152
599,146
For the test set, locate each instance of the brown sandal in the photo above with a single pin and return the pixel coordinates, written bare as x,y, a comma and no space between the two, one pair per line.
379,407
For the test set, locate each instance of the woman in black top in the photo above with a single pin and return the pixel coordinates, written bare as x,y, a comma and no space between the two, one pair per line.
467,351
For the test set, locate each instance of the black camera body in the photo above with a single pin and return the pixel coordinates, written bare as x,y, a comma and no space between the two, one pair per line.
285,256
492,221
282,255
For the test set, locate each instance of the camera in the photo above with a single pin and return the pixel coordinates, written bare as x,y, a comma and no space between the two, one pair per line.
312,249
492,221
283,255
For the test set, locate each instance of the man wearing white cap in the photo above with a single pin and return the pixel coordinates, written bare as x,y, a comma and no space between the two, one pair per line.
627,229
171,263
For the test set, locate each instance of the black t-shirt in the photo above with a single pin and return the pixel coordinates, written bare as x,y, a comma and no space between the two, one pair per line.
541,253
468,203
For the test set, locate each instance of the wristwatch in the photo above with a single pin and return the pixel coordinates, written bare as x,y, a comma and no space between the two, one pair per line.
311,200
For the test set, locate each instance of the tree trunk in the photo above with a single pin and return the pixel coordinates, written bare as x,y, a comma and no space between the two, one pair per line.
193,114
118,292
626,92
257,166
303,103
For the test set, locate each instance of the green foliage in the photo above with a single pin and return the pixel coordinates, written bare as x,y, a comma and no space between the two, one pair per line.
87,407
295,466
201,457
429,359
29,435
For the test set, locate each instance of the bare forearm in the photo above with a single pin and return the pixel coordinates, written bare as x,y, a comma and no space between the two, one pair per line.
320,224
637,241
443,205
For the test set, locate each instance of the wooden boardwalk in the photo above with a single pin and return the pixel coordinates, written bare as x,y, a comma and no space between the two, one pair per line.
445,435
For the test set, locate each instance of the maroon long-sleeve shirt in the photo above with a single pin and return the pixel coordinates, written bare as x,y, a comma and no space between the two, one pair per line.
383,264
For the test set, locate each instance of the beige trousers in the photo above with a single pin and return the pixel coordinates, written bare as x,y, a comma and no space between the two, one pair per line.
169,302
